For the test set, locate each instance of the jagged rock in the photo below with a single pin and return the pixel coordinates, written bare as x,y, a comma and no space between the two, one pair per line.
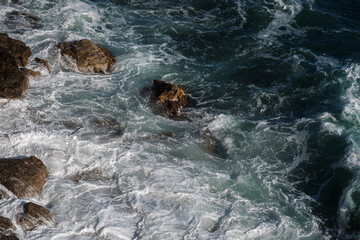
18,19
34,215
17,48
89,57
24,177
170,97
209,142
13,81
7,229
44,62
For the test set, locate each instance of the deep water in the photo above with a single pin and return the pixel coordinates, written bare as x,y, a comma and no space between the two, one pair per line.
277,82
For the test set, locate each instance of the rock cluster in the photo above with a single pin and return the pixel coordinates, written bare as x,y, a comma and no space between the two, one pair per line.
14,76
23,177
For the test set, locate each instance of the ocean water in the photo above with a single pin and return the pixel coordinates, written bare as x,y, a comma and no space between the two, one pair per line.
277,82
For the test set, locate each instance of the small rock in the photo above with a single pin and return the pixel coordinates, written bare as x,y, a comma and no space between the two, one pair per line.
31,73
44,62
88,175
7,229
89,57
18,19
34,215
13,82
24,177
170,97
209,142
17,48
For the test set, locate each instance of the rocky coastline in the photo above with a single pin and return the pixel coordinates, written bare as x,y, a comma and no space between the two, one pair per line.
24,177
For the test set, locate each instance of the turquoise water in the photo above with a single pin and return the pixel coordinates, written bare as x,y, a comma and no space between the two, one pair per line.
276,82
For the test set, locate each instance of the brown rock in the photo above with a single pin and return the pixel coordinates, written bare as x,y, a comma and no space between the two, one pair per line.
89,57
24,177
44,62
17,48
5,223
170,97
7,229
29,72
18,19
34,215
13,82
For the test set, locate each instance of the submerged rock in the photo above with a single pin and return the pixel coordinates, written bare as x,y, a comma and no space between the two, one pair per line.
89,57
30,73
170,97
209,143
88,175
34,215
43,62
18,19
7,229
24,177
13,81
16,48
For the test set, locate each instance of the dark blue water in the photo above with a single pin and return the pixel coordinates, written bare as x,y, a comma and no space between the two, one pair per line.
276,82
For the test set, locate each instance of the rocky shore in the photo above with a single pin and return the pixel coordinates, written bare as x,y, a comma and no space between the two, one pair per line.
24,178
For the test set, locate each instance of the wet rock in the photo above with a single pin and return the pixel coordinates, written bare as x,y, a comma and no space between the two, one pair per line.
170,97
30,73
209,143
13,81
43,62
34,215
88,175
89,57
16,19
7,229
24,177
17,48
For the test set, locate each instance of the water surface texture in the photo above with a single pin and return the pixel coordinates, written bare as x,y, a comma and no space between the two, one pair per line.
277,83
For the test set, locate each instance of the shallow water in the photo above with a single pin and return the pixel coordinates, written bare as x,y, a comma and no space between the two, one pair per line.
276,82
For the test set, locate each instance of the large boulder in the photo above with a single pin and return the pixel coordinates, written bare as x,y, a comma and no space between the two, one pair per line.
89,57
17,48
24,177
34,215
13,81
7,229
170,97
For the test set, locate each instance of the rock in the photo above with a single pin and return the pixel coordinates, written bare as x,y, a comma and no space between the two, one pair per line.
7,229
170,97
209,142
5,223
43,62
13,81
16,19
24,177
34,215
17,48
29,72
88,175
89,57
